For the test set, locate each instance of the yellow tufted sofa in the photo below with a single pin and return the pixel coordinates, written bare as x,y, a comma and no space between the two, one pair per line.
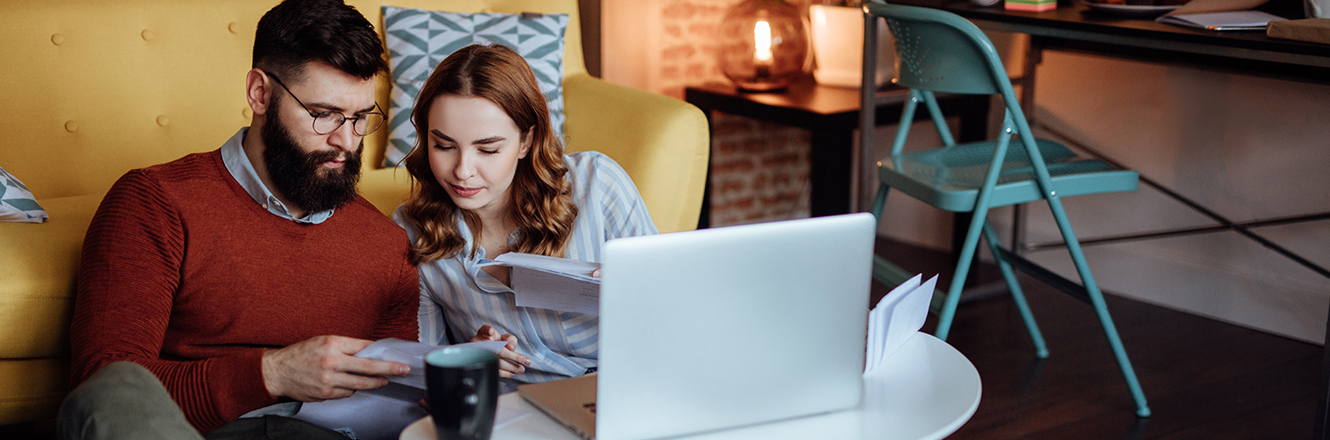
90,89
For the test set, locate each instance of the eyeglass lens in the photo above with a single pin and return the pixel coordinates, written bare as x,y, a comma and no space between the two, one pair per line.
363,125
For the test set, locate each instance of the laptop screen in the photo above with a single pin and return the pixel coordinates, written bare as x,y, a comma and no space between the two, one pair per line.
724,327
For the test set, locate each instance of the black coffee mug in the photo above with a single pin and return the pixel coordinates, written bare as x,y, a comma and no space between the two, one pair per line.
463,388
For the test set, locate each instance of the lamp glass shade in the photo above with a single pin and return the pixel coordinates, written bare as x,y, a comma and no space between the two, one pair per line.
764,44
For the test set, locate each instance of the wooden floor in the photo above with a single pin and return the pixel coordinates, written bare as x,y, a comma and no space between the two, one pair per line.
1204,379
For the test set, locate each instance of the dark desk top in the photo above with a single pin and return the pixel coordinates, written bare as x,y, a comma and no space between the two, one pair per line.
1078,23
804,104
804,95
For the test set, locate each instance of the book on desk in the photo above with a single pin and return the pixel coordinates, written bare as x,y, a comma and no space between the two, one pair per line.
1221,15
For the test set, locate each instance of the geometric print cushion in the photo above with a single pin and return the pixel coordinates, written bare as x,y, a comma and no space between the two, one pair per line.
419,39
16,202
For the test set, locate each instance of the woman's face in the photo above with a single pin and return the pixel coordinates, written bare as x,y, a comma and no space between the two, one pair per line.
473,151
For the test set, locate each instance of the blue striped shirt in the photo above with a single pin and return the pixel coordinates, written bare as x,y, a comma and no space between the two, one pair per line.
560,344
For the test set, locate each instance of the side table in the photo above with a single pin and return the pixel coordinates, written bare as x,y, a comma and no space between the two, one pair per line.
925,391
832,115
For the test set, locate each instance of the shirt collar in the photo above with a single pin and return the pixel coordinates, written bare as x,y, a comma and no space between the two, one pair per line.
237,163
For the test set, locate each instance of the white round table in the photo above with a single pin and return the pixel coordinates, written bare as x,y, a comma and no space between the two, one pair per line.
926,390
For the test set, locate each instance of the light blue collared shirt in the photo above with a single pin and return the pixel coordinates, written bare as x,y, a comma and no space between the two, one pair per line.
237,163
560,344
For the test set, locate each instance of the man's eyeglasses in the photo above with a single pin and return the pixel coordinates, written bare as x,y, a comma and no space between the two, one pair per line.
328,122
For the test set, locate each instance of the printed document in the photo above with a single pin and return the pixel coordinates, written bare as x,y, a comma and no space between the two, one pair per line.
384,412
1220,15
551,283
898,316
1224,21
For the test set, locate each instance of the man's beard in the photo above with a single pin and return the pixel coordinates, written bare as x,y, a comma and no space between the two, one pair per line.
299,175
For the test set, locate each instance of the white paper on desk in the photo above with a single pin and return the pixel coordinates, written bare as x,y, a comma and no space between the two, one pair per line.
878,317
383,413
1204,6
1223,21
897,317
551,283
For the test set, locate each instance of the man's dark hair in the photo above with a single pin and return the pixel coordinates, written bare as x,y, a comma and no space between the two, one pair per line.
299,31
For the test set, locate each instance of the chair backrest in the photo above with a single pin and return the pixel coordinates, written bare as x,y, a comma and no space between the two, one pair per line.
941,52
938,51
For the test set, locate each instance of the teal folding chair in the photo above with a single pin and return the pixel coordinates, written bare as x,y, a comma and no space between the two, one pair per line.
941,52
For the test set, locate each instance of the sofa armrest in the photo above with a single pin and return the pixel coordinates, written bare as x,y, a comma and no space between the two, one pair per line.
39,268
663,143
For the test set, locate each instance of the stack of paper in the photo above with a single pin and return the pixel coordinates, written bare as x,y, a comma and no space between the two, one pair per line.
1220,15
551,283
896,317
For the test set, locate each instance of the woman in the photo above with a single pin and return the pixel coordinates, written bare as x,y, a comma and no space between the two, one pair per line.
490,178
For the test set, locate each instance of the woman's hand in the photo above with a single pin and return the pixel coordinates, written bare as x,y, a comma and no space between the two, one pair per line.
511,363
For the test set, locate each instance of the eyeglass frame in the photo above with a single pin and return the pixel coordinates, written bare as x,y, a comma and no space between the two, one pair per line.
316,115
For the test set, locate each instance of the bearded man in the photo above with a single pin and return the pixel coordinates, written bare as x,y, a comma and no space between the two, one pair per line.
218,291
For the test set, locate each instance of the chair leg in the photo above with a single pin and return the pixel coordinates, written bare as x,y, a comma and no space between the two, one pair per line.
880,200
958,279
1100,307
1018,296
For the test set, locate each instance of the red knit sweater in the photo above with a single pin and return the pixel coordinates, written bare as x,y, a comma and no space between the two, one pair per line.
183,273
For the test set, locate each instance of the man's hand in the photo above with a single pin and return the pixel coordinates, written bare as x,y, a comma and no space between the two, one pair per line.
323,368
510,362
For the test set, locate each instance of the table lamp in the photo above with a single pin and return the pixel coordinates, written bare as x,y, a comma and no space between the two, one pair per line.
764,45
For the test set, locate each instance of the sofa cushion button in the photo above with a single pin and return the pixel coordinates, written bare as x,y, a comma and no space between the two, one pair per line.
71,126
148,35
163,120
233,27
246,112
58,39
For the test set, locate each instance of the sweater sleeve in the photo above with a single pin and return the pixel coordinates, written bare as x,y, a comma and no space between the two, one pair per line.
129,273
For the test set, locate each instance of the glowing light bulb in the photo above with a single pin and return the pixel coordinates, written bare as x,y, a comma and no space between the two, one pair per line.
762,36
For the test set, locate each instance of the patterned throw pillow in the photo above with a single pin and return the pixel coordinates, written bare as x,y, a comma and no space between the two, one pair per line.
419,39
16,202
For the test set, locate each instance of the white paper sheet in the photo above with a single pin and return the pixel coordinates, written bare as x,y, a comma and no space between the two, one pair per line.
547,263
897,317
545,290
551,283
1223,21
381,414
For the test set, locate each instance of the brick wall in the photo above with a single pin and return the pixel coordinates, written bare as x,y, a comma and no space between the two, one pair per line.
759,170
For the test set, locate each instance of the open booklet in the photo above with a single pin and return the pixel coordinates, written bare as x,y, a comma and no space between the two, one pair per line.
1221,15
382,413
896,318
551,283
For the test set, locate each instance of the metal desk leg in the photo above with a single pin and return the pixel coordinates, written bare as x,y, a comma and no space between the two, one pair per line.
1323,396
1034,54
704,218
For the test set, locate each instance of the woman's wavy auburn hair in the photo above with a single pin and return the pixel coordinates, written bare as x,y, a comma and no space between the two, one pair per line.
541,198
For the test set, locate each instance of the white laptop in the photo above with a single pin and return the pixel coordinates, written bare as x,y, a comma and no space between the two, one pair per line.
721,328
